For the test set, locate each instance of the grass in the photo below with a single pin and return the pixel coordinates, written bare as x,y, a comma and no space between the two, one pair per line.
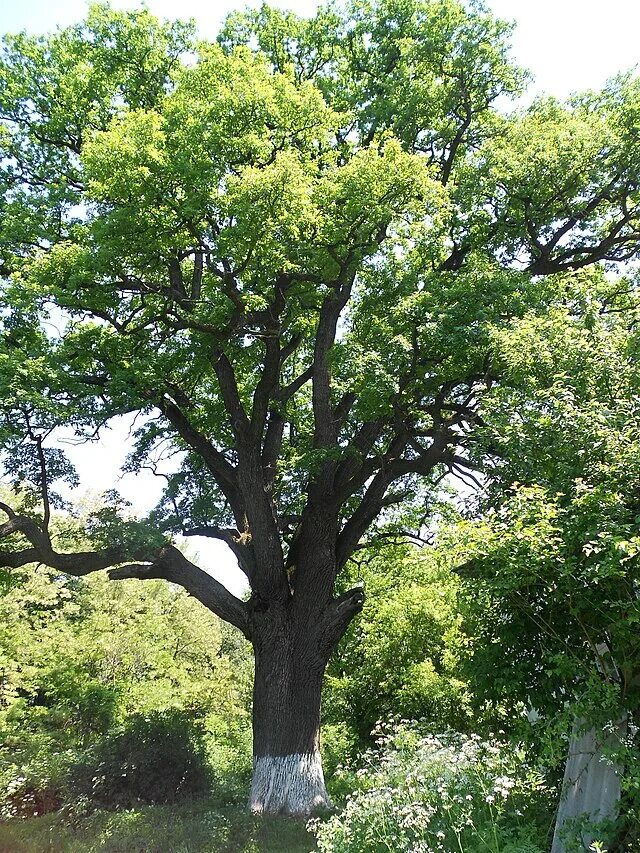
200,827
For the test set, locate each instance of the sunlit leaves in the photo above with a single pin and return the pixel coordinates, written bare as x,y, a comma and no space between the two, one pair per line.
166,200
551,571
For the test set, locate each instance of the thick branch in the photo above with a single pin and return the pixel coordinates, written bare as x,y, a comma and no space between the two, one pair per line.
295,385
235,540
167,563
338,615
266,386
78,564
44,488
367,511
448,160
356,458
614,246
231,396
260,518
272,446
373,501
324,426
196,279
274,358
223,472
172,566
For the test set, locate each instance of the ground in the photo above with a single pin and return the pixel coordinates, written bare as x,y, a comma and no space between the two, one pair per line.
204,827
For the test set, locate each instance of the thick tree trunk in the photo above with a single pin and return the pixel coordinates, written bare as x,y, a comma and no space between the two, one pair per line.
287,769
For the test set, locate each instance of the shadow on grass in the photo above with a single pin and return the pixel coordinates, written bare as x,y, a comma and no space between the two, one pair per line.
203,827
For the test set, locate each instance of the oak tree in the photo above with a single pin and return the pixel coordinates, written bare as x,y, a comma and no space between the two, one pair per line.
290,251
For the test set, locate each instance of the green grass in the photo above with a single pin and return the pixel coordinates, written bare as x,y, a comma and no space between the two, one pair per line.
202,827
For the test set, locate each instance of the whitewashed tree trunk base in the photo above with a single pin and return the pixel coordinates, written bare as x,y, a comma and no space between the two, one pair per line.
288,784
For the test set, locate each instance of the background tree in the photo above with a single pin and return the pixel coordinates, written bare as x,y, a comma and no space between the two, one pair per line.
404,657
550,571
293,256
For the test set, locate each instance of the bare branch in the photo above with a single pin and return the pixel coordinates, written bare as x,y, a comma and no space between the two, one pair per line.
196,279
373,501
295,385
44,487
7,511
272,445
267,384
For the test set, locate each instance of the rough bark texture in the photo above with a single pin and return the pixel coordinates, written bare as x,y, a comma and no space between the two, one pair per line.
289,667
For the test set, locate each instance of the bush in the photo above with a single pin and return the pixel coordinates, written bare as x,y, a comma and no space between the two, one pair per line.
156,758
30,796
34,784
428,794
229,753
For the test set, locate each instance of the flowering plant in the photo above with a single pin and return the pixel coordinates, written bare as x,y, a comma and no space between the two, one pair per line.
452,792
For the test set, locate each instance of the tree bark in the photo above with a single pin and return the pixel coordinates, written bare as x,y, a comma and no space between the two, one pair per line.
289,667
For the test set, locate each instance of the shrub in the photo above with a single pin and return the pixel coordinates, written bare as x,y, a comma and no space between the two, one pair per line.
34,784
229,753
155,758
446,793
30,796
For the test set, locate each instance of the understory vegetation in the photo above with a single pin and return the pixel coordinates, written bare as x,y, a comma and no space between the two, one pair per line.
128,727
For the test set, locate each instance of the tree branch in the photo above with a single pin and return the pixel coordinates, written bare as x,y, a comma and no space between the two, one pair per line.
324,426
223,472
78,563
393,467
231,396
295,385
337,617
167,563
172,566
235,540
272,445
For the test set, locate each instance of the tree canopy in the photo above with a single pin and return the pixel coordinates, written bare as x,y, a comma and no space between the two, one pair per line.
293,252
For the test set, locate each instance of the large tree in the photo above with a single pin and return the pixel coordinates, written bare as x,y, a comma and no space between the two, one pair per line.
291,252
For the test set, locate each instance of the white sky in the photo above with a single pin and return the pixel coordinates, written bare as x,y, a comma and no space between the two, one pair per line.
568,45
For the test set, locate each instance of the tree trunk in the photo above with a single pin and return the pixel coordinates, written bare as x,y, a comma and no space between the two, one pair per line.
591,785
287,768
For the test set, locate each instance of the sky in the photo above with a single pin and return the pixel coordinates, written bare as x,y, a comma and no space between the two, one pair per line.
568,45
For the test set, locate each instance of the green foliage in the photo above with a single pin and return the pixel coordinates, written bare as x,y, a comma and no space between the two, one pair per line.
159,208
364,139
549,567
552,566
80,664
402,657
324,271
